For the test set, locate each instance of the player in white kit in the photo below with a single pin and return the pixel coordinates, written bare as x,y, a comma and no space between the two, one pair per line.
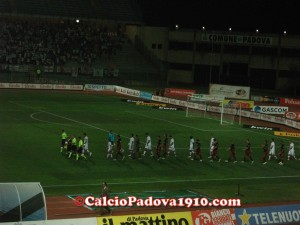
272,150
109,154
172,146
131,144
148,146
291,153
191,148
211,147
86,144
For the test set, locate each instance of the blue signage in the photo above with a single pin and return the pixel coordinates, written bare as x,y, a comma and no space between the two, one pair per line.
283,214
145,95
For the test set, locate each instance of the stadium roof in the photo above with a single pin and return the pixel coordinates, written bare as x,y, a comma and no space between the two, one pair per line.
240,15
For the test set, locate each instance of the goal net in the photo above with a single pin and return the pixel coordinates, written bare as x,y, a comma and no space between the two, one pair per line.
213,109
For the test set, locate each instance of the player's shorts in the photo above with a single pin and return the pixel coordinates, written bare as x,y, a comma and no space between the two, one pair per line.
79,150
272,152
172,148
148,147
291,152
248,153
74,148
63,142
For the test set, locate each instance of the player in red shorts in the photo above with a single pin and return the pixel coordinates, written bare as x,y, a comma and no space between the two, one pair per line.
281,153
165,146
119,149
158,148
265,152
232,154
197,155
248,152
215,152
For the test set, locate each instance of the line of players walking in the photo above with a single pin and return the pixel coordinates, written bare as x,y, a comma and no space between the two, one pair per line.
75,147
166,147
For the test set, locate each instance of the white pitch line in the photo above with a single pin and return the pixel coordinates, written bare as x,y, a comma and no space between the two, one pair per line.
179,124
32,116
66,118
173,181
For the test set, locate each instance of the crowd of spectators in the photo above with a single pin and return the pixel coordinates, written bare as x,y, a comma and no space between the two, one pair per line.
49,43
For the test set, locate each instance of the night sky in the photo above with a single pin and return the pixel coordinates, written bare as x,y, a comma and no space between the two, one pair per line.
269,16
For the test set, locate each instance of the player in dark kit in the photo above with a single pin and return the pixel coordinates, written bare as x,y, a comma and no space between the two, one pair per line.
105,193
158,147
215,152
281,153
232,154
248,152
265,152
165,146
119,148
197,155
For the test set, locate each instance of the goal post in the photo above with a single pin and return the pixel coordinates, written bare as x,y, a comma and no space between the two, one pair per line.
230,114
212,107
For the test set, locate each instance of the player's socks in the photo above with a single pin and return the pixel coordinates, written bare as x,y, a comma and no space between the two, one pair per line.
77,156
83,156
70,154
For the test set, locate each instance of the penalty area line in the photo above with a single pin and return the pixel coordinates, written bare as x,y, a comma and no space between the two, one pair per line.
172,181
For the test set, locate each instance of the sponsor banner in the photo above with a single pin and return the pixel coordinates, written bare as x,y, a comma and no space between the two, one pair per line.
265,99
67,87
178,92
279,110
15,85
133,101
202,97
261,127
287,134
177,218
245,113
229,91
167,108
239,103
292,123
127,91
173,101
97,87
46,86
289,101
150,104
255,115
284,214
4,85
160,99
292,115
31,86
236,39
145,95
214,217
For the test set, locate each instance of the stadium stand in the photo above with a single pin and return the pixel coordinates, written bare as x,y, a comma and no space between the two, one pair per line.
4,6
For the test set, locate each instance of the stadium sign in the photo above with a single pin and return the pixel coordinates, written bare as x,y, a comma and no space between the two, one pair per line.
280,110
97,87
287,134
285,214
236,39
244,104
202,97
230,91
265,99
178,218
261,127
292,115
290,101
214,217
178,92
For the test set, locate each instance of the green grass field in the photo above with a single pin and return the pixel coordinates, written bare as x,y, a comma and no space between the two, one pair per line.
30,128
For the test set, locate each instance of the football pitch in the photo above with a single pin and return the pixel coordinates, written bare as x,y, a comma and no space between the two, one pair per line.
30,129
